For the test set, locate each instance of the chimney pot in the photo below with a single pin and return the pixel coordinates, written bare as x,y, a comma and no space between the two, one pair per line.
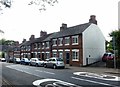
63,27
93,19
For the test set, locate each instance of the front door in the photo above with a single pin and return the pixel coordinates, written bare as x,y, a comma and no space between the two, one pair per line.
42,56
67,58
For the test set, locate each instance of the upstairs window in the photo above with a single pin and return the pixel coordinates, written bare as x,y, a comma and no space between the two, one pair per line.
35,45
74,40
43,45
47,44
67,40
39,45
54,42
60,41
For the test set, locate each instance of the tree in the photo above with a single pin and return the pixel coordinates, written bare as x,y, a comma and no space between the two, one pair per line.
116,35
42,4
7,42
5,4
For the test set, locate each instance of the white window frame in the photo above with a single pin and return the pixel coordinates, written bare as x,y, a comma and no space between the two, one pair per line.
67,38
76,58
39,45
54,52
47,54
43,45
60,41
54,42
35,44
76,39
47,45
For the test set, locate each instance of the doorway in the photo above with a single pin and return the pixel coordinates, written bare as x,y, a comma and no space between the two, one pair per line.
42,56
67,58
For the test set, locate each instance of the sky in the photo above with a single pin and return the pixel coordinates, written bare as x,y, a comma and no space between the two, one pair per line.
22,20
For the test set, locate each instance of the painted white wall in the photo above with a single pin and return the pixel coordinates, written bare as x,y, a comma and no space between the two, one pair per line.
93,44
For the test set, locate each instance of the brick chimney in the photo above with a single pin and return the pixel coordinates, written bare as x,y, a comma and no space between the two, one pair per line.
24,40
93,19
43,33
63,27
16,43
32,37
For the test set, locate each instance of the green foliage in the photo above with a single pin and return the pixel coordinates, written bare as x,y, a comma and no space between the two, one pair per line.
116,34
6,42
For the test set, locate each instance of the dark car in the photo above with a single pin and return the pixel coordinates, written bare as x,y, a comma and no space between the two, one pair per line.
107,56
10,60
24,61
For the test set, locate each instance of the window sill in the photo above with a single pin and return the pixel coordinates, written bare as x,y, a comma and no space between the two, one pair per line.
75,60
74,43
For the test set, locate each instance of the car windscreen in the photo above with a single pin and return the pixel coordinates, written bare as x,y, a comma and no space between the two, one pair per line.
39,59
59,59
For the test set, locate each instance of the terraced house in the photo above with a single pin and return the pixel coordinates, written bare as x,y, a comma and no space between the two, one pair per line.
79,45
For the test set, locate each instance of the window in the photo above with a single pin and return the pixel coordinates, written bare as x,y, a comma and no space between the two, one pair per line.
47,55
55,53
47,44
60,54
60,41
28,48
74,40
67,40
54,42
39,45
43,45
75,55
35,45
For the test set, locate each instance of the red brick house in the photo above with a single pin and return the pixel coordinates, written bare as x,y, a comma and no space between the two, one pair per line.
78,45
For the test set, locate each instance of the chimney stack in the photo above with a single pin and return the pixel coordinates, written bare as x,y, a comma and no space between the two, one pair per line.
43,33
63,27
93,19
24,40
16,43
32,37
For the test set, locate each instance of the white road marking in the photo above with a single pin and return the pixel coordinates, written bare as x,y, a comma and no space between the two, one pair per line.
94,82
45,72
98,76
55,81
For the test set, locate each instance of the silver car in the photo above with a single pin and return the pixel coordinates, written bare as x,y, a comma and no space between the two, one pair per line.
36,62
54,62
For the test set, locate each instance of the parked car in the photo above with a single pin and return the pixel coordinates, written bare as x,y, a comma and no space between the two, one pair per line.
17,60
36,62
54,62
107,56
24,61
2,59
10,60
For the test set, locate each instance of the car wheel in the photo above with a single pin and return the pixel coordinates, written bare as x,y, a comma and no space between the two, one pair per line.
36,64
45,65
54,66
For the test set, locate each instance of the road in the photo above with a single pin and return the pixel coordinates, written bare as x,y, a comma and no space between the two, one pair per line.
29,76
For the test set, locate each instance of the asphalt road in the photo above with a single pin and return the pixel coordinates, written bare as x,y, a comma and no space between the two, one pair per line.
28,76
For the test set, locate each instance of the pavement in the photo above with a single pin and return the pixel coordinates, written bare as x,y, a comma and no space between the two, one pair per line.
99,68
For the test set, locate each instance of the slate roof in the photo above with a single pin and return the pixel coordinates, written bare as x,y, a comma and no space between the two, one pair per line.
40,39
78,29
36,40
